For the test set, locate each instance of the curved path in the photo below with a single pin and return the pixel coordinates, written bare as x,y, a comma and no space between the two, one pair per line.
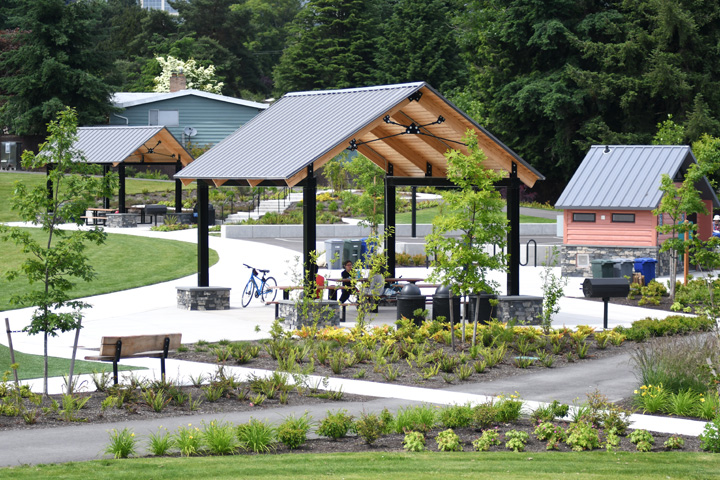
152,309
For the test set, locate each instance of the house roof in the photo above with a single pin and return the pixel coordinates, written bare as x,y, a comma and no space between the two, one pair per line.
628,177
116,144
310,128
131,99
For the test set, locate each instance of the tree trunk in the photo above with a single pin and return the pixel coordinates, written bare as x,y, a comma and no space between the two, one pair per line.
45,351
452,325
673,274
475,318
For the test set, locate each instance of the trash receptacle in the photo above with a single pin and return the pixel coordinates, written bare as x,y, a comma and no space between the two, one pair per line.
623,267
211,214
409,300
441,304
602,268
646,266
334,253
485,310
351,250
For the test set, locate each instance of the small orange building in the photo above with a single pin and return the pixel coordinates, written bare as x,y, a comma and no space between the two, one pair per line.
608,205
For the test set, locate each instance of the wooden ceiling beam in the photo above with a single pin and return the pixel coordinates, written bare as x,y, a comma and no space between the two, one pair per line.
381,161
495,152
401,145
435,143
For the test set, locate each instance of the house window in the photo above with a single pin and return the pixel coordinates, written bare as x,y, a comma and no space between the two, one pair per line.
583,217
168,118
623,217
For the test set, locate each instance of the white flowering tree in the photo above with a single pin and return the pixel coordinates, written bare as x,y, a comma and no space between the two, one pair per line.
198,77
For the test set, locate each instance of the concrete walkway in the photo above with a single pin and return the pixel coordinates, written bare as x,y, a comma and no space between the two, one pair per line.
153,309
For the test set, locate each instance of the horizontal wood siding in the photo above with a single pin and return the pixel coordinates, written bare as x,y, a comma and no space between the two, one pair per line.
213,120
606,232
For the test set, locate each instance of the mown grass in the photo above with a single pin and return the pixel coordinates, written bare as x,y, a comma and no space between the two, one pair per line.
426,215
123,262
401,466
132,187
32,366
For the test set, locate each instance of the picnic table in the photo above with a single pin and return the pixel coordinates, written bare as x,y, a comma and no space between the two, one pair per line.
96,216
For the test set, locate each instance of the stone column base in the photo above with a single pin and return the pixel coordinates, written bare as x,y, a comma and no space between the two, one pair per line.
526,310
321,312
121,220
203,298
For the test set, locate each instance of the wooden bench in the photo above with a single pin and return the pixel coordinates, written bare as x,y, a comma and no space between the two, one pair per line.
112,349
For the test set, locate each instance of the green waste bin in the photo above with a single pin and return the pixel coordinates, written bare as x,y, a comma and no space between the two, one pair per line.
351,250
603,268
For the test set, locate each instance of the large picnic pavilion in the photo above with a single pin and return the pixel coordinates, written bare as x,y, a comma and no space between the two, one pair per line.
405,129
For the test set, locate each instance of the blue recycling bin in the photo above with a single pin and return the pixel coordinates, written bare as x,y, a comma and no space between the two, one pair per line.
646,266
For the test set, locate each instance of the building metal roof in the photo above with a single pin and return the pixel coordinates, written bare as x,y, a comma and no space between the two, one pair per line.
625,177
116,144
304,128
131,99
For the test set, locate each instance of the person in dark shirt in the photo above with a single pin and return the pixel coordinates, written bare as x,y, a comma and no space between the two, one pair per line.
345,295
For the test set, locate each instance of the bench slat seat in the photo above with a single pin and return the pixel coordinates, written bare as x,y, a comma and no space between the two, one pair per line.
113,348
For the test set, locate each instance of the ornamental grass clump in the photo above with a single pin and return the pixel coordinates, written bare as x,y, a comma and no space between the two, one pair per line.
455,416
188,440
420,418
256,436
122,443
220,438
160,442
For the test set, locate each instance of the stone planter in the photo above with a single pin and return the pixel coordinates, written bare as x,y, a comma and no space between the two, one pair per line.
203,298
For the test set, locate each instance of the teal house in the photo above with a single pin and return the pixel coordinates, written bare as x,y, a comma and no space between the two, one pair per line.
192,116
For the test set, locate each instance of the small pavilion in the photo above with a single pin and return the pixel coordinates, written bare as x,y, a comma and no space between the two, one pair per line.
118,146
405,129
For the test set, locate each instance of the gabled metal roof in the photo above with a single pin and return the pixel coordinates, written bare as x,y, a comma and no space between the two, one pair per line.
304,128
131,99
627,177
116,144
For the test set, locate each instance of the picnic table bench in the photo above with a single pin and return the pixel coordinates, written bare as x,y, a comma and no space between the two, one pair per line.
96,215
112,349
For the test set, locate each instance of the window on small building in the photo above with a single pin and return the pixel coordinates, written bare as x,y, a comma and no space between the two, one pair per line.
623,217
583,217
168,118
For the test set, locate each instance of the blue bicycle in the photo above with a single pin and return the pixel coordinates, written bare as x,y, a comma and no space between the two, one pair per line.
262,287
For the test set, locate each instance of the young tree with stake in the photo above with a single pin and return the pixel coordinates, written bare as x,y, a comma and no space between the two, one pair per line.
476,209
60,258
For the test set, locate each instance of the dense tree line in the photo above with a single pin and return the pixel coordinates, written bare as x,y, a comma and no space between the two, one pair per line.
548,78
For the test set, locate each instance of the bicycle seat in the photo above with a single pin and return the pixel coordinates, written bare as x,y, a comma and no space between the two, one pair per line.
263,271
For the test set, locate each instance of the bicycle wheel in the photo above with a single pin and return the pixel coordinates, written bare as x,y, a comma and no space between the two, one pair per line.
248,293
268,293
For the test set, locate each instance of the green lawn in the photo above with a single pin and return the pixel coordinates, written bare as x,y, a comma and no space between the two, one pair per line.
389,466
426,215
32,366
132,187
125,261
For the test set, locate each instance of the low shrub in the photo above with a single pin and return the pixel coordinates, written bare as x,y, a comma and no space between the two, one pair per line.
335,425
292,432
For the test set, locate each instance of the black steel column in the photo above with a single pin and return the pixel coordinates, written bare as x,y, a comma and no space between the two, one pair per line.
390,222
178,189
413,205
121,188
106,172
513,240
309,223
202,224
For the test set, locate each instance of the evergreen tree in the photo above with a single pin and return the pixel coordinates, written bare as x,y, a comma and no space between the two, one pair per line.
58,63
419,42
551,78
331,45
